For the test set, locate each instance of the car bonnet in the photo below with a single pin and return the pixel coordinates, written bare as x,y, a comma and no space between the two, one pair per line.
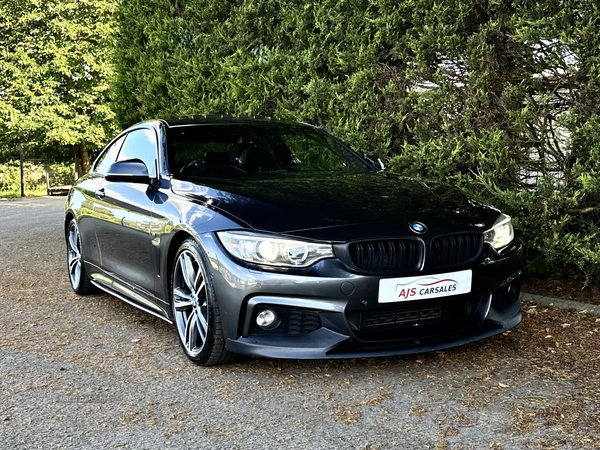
340,207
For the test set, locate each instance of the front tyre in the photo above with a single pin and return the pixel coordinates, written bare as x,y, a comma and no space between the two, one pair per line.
80,281
195,310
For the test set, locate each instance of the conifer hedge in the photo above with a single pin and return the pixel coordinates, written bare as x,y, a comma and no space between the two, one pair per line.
499,98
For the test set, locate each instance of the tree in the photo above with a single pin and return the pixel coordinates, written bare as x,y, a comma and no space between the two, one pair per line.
55,67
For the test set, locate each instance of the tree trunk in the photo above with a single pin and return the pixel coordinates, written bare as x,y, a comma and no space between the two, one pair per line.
82,161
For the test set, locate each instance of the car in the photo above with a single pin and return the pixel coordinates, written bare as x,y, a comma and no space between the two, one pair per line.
271,238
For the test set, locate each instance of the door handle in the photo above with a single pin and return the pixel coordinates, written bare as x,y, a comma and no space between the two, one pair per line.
100,193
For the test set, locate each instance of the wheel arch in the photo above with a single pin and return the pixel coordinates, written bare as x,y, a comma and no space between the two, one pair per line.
68,217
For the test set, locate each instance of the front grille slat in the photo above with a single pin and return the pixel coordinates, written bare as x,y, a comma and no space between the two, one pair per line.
410,252
455,249
381,253
390,255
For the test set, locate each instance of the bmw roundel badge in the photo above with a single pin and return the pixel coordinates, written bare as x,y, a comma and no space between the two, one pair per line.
417,227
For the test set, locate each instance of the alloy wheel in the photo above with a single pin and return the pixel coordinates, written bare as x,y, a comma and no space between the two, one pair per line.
74,255
190,303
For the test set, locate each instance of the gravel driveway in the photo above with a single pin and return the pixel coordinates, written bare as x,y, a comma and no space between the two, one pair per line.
94,372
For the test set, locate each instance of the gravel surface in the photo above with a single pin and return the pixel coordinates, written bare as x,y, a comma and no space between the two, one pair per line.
94,372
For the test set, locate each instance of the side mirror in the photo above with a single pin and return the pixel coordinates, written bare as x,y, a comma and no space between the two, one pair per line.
376,163
133,171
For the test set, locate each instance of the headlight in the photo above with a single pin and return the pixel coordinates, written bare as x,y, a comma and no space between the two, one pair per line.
273,251
501,234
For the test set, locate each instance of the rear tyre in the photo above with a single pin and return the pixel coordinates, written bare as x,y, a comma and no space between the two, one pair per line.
80,281
195,310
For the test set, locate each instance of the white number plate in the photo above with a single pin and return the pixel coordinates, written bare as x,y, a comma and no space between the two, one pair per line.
425,286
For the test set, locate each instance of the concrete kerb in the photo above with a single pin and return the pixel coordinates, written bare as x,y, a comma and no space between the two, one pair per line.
561,303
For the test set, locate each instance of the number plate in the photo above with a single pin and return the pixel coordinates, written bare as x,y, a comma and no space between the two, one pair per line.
425,286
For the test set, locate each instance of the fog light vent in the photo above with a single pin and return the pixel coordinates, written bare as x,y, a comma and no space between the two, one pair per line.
287,321
267,319
507,294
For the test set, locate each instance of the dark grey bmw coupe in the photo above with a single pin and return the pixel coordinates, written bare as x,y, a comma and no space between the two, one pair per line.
271,238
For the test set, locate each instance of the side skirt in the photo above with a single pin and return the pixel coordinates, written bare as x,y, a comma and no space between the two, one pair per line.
127,295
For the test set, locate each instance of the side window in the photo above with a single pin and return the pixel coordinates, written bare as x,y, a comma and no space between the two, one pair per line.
140,144
109,156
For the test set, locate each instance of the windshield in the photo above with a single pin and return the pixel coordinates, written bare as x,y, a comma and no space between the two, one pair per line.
225,150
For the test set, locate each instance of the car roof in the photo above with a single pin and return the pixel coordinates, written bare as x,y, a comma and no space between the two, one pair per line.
225,119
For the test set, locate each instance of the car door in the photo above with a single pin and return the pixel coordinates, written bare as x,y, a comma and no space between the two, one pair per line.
123,213
87,190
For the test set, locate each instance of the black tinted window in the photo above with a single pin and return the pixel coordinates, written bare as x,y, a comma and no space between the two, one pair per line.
140,144
236,149
109,156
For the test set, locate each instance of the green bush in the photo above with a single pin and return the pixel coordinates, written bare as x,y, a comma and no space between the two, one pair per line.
10,176
61,174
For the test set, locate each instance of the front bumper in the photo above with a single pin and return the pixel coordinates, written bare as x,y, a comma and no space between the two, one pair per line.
338,337
333,313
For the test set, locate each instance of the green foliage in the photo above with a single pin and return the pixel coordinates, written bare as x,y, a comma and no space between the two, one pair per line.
36,177
538,266
10,176
54,72
61,174
499,98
